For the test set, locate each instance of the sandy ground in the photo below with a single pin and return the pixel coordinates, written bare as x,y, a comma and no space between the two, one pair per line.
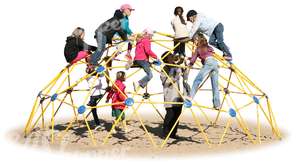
136,142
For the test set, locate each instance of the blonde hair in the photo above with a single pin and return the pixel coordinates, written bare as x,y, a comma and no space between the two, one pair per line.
77,32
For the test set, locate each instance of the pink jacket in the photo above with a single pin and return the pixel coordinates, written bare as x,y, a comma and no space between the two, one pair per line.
143,50
117,96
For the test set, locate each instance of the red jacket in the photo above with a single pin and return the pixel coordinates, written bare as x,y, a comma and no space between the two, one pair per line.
143,50
117,96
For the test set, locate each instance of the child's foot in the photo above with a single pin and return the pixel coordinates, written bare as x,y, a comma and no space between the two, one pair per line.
188,98
125,128
217,108
98,128
128,65
227,58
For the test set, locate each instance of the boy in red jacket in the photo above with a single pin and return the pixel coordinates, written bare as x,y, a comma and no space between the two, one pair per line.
118,96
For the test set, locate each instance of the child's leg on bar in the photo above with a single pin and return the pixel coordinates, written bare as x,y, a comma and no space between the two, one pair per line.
101,42
199,78
146,67
81,55
219,30
215,87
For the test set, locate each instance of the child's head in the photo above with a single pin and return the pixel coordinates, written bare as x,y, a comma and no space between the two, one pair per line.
200,41
126,9
78,32
168,58
178,11
121,76
148,33
191,16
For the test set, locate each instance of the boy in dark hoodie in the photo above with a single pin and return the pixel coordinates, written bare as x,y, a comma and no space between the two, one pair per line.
104,34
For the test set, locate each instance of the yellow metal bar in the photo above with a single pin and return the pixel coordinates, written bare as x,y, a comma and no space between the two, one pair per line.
258,125
169,134
157,110
200,128
133,73
89,130
225,131
164,34
278,135
145,129
31,116
52,124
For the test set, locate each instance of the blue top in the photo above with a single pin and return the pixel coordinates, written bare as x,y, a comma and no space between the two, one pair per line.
125,25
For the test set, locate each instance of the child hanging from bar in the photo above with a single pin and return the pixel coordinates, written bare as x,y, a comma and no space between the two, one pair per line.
76,49
210,67
118,96
142,53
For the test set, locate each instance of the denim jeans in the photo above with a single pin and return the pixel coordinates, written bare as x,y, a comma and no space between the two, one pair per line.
210,67
101,42
217,40
146,67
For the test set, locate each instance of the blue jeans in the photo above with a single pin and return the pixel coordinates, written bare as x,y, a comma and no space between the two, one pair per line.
101,42
210,66
217,40
146,67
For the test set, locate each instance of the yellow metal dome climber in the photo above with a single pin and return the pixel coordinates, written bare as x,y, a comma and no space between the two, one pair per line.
67,93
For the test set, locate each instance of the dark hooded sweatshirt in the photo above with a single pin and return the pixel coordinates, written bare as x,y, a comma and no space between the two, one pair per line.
112,26
75,45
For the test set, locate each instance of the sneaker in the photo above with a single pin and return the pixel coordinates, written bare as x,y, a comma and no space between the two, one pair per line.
98,128
217,108
227,58
128,64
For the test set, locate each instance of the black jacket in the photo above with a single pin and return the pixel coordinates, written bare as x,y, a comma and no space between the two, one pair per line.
75,45
112,26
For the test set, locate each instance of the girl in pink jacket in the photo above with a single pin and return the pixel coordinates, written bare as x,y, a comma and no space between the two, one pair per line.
142,53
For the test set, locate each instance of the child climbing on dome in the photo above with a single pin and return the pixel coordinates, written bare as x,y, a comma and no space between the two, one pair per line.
104,35
97,92
213,29
179,26
118,96
76,49
142,53
210,67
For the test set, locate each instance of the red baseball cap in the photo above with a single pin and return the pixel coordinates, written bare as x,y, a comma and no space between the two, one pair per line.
126,6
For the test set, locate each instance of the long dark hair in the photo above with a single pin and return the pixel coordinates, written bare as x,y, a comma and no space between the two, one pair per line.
179,11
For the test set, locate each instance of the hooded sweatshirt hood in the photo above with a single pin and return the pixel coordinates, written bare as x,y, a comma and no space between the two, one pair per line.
118,14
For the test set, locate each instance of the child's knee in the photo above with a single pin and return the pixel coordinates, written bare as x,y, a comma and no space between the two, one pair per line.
150,75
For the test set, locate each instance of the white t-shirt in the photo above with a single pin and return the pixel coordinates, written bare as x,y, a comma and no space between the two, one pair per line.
180,29
96,85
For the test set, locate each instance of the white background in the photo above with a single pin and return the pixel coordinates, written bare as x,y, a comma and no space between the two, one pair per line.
263,37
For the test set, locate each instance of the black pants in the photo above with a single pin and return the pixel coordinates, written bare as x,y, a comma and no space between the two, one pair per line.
180,49
93,102
170,119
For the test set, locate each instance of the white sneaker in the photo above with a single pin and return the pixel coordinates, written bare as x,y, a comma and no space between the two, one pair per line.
98,128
